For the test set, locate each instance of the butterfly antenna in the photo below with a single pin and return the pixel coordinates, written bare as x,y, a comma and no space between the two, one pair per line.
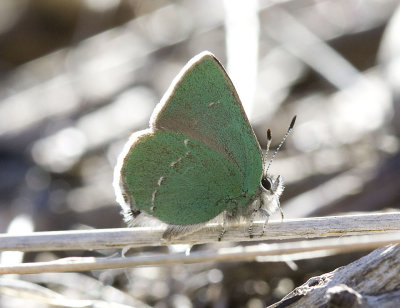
279,146
269,138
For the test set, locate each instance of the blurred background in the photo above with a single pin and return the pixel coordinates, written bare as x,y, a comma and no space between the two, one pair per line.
78,77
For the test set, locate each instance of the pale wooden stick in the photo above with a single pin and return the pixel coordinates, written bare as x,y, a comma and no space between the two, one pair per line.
136,237
277,252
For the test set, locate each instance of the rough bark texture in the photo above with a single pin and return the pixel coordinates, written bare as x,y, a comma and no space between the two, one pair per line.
372,281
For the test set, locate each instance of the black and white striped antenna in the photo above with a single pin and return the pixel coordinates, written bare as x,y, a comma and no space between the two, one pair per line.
269,138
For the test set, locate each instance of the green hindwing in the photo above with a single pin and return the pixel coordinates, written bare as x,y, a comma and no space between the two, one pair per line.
187,183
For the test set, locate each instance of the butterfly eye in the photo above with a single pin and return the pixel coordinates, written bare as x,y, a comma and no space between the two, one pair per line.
266,183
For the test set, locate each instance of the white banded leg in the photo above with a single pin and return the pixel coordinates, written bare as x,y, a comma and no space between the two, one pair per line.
223,230
265,215
251,221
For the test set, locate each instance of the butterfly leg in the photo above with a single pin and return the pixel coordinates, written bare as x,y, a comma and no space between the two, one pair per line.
223,230
280,209
265,215
227,217
251,221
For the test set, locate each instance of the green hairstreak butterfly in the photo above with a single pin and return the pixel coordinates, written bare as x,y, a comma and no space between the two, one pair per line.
199,161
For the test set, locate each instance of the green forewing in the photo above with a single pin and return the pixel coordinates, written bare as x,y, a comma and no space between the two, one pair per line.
202,125
204,105
183,180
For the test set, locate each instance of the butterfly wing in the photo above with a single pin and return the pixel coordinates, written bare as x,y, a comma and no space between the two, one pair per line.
202,103
180,180
199,157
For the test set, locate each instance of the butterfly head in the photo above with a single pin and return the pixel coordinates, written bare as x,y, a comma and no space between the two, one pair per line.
271,189
272,185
